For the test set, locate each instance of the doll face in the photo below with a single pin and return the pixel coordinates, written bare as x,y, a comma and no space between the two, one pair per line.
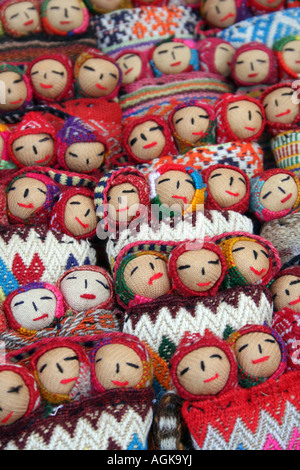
14,397
191,123
199,270
244,118
147,276
49,78
252,66
117,365
65,16
84,289
220,13
109,5
147,140
291,55
286,293
223,58
22,17
172,57
85,156
279,106
34,149
175,188
251,260
279,192
227,187
98,77
15,91
131,67
204,371
34,309
80,215
25,197
58,370
123,202
258,354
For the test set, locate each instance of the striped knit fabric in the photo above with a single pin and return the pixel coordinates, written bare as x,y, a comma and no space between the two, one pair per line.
286,150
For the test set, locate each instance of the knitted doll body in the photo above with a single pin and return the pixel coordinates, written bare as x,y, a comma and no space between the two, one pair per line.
69,19
20,17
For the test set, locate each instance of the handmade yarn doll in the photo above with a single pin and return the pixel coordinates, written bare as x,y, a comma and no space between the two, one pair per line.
120,360
19,395
16,91
176,189
287,50
239,117
281,110
134,65
74,213
197,268
20,18
33,307
107,6
146,138
96,75
80,148
61,369
173,56
64,19
219,14
51,77
5,162
203,367
141,277
33,142
260,353
275,193
227,188
193,124
262,7
86,288
30,198
215,55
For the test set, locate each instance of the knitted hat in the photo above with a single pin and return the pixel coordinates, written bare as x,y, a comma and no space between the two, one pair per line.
37,215
76,131
246,378
56,70
58,21
139,129
224,370
254,63
21,90
33,311
63,216
20,20
215,271
188,114
215,55
33,124
8,373
287,56
281,190
124,347
61,358
106,6
74,285
223,194
263,7
86,85
199,188
239,118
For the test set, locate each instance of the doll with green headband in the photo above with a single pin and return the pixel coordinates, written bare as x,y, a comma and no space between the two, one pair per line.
287,51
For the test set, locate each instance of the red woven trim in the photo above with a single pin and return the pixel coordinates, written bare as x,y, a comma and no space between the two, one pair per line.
285,73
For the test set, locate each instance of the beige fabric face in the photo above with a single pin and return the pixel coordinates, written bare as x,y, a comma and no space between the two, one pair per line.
123,202
117,365
98,77
258,354
279,192
131,67
147,276
49,77
204,371
199,270
26,196
251,260
279,106
34,149
109,5
191,123
175,188
85,156
220,13
14,397
244,118
227,187
34,309
147,140
65,16
22,17
223,58
15,91
266,3
80,215
172,57
286,293
291,55
58,370
252,66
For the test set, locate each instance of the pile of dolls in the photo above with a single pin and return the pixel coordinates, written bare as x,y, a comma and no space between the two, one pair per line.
174,161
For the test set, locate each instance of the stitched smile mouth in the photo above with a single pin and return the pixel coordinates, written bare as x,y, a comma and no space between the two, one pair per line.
184,199
128,71
45,315
211,378
258,273
7,417
230,15
101,87
154,277
283,114
262,359
203,284
286,198
44,85
88,296
175,64
65,22
81,223
251,75
119,384
294,302
17,101
122,210
26,206
27,23
67,381
252,129
232,194
42,160
197,133
149,146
